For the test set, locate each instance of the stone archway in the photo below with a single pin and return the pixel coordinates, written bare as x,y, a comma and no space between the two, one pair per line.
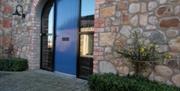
35,27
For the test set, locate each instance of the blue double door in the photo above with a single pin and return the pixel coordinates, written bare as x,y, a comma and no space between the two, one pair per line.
67,14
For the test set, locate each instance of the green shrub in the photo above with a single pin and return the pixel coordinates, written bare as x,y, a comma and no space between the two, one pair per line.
13,64
111,82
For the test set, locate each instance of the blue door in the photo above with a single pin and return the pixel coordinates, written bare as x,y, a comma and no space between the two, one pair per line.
66,27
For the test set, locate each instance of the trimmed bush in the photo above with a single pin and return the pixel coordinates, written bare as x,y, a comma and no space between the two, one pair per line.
13,64
111,82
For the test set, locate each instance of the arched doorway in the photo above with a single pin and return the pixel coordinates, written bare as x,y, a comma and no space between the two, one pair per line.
47,37
68,48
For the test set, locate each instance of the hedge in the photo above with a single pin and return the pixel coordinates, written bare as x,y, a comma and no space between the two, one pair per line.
111,82
13,64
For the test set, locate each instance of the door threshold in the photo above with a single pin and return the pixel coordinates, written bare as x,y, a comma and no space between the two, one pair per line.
65,75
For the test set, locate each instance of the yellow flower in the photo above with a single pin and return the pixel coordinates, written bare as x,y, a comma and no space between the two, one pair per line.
141,49
168,56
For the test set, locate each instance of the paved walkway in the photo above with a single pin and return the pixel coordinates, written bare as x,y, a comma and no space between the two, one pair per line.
39,81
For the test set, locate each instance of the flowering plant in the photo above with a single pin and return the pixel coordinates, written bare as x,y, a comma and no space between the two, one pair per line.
141,54
139,51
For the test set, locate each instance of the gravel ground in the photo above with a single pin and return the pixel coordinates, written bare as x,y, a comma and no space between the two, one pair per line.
39,81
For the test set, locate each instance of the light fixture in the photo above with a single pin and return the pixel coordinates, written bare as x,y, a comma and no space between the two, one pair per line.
19,11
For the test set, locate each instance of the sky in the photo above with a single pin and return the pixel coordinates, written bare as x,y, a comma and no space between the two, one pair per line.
51,20
87,7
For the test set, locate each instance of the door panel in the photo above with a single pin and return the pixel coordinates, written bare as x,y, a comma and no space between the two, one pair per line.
85,67
67,17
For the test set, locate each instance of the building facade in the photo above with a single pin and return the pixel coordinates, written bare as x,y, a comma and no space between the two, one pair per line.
156,21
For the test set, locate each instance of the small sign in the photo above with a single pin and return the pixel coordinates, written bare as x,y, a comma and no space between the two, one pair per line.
65,39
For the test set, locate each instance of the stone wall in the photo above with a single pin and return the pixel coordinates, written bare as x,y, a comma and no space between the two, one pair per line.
156,21
21,37
13,29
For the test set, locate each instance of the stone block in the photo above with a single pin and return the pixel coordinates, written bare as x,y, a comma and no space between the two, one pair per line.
176,80
158,37
162,1
163,71
172,33
107,11
143,7
99,23
172,22
123,4
7,9
7,23
106,39
175,44
165,10
123,70
134,8
134,20
107,67
153,20
152,5
160,79
125,18
143,19
126,31
177,10
120,42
